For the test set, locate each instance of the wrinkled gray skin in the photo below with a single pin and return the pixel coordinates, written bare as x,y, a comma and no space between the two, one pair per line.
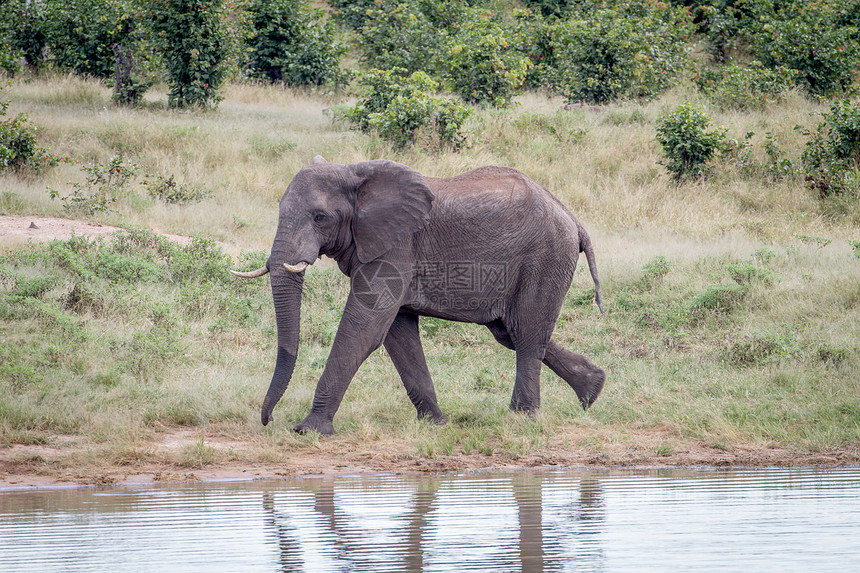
490,247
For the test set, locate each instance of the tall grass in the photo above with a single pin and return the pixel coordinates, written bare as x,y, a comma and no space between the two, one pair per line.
723,327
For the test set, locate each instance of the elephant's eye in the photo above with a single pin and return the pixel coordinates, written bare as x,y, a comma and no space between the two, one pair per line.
320,217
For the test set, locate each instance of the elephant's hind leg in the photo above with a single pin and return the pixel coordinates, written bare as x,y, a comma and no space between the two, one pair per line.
526,395
585,378
403,344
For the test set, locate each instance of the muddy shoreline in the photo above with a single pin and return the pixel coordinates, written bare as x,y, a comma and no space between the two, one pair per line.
43,466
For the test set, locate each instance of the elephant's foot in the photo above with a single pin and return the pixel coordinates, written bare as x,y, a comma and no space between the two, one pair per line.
315,422
437,418
531,410
585,378
588,387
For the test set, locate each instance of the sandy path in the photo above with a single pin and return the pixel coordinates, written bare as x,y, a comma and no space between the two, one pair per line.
17,230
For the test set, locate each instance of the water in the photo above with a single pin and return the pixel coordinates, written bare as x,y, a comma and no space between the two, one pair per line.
658,520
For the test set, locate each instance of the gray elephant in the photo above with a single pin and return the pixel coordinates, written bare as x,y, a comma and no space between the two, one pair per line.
490,247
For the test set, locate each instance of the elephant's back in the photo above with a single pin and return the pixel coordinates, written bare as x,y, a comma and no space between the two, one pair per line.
499,205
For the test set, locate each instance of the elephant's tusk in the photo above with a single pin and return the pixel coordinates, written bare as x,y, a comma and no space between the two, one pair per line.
296,268
250,274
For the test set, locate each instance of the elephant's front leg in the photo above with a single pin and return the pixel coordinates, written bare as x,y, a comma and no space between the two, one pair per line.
361,331
403,344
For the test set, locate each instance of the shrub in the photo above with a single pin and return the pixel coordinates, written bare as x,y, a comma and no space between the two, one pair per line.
129,84
745,87
408,35
654,271
81,33
399,108
193,39
294,45
687,146
105,181
758,349
632,51
831,160
482,66
552,7
169,191
856,246
717,299
807,37
533,38
19,147
729,25
353,13
22,34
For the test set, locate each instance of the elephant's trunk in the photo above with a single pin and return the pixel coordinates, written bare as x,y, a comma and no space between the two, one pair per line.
287,294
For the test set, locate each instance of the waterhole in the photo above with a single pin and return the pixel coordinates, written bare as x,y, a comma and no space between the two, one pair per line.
658,520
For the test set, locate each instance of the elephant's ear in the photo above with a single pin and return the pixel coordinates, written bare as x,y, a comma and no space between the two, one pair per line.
318,159
392,202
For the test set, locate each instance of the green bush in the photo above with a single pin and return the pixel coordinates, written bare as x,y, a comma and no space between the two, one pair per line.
171,192
104,183
353,14
551,7
129,82
730,25
399,108
193,39
22,34
745,87
81,33
634,50
808,37
831,160
405,34
758,349
532,37
19,146
293,43
482,66
687,146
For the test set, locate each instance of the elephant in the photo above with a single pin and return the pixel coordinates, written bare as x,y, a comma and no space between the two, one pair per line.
490,246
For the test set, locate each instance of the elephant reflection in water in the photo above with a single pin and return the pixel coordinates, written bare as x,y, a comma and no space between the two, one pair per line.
556,521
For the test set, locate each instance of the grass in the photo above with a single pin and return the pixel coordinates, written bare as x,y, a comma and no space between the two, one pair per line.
733,303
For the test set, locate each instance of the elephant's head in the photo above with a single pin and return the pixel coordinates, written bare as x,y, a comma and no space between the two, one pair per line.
352,213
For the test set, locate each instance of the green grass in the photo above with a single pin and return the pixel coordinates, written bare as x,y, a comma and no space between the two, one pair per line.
733,303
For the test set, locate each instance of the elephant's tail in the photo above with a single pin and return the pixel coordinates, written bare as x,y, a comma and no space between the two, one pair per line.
585,247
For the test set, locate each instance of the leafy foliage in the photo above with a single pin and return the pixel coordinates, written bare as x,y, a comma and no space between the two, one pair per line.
22,34
169,191
687,146
292,43
807,37
729,25
193,39
745,87
409,34
129,83
104,182
633,50
19,146
399,108
81,33
482,66
831,160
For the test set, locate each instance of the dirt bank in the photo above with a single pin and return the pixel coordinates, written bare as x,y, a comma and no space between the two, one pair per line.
17,230
66,460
